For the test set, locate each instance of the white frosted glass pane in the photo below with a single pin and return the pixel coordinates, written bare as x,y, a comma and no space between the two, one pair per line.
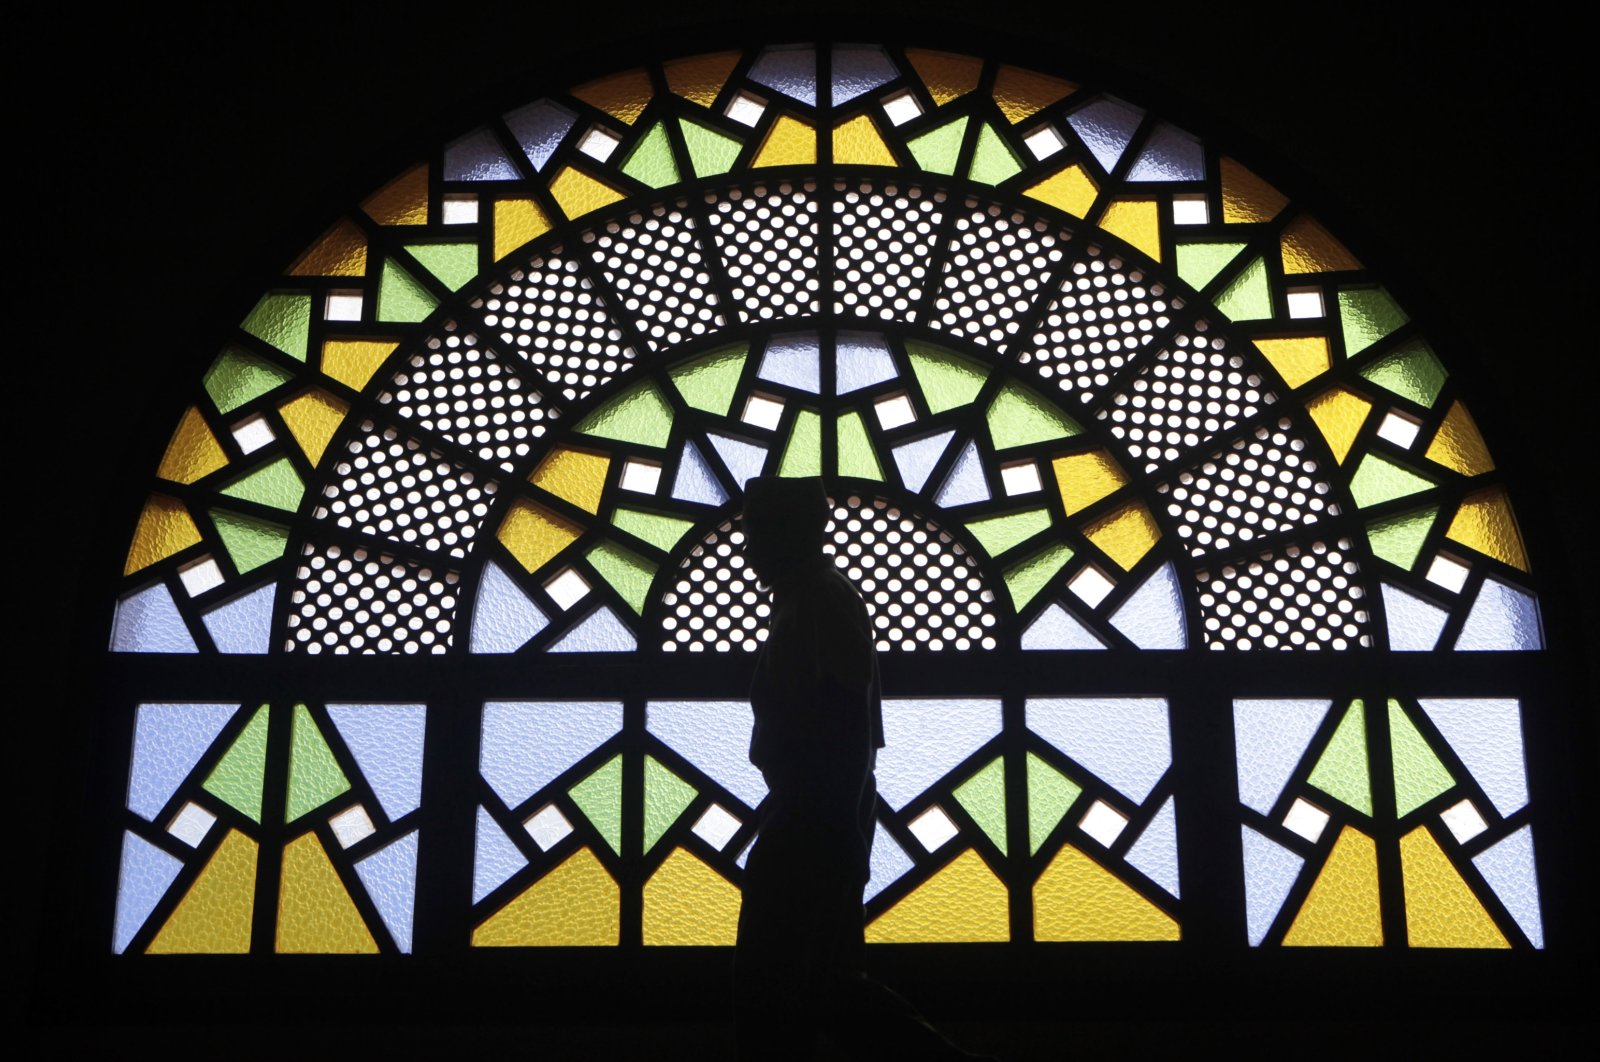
1448,573
1169,154
504,617
932,828
1020,477
1414,625
1044,142
715,737
792,71
1091,585
1487,734
243,626
600,633
526,744
762,411
1501,618
965,483
694,481
894,411
902,107
1508,868
746,109
1398,429
1464,821
1269,873
641,476
567,588
1123,740
793,360
598,143
916,460
343,306
253,434
477,157
148,622
495,859
390,877
1056,628
1305,302
1152,616
1155,853
889,862
743,460
168,740
1106,126
191,824
201,576
716,827
539,128
1306,819
352,825
459,209
547,827
858,69
1271,736
386,740
1103,822
147,872
926,739
1190,210
861,360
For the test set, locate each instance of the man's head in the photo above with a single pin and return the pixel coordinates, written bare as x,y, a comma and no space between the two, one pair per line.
783,524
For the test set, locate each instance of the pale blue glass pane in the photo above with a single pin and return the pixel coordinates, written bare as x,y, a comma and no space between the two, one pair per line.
390,877
526,744
1271,736
861,360
1508,868
495,859
1152,616
148,622
926,739
1414,625
916,459
1170,155
147,873
793,360
1487,734
715,737
745,855
1106,126
600,633
742,459
792,71
504,618
477,157
1269,873
889,861
168,740
539,128
694,481
965,483
1056,628
1501,618
1123,740
243,626
386,740
858,69
1155,853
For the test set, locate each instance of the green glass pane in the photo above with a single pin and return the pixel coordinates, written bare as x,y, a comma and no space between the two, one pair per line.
710,152
651,161
314,774
665,797
663,532
984,797
1366,315
1411,372
237,377
599,796
948,380
237,778
284,320
708,382
992,161
401,297
1249,297
629,573
1018,417
250,542
937,149
1198,263
1342,770
1000,533
856,456
1399,539
1028,578
276,484
1418,774
453,263
1379,480
1050,797
639,415
802,456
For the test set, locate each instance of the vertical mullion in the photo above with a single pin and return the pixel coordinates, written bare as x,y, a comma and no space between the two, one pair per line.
1210,855
442,922
1380,772
274,801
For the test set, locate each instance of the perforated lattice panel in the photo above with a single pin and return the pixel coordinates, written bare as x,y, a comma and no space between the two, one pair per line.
999,262
767,236
652,261
355,601
1296,597
883,240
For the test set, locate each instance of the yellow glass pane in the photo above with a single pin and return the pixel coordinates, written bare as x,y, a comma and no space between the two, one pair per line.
1441,911
342,252
1342,908
214,918
1486,523
534,534
1022,92
315,913
947,76
313,418
1084,479
576,904
623,96
857,142
1458,444
1246,197
165,527
962,902
575,475
403,201
1307,247
353,361
516,221
193,453
1125,535
700,77
686,902
1340,414
1071,191
1078,899
1136,220
790,142
577,193
1297,360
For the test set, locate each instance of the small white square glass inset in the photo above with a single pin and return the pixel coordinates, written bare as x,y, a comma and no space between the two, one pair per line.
342,306
933,828
1399,429
200,576
902,107
1448,572
716,827
567,588
1306,302
352,825
1020,477
1104,823
763,411
191,824
641,476
253,434
1190,209
1044,141
599,142
460,209
746,108
547,827
1306,819
1091,585
895,411
1464,820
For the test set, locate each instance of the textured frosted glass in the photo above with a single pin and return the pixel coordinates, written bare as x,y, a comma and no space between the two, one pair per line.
526,744
792,71
639,415
794,360
214,916
715,737
600,633
984,798
1501,618
889,862
1419,775
1124,740
1152,616
686,902
243,626
168,740
315,912
539,128
938,149
577,903
315,776
1487,735
665,798
1106,126
694,481
477,157
236,779
1169,154
1414,625
916,460
861,360
965,483
859,68
1078,899
962,902
1271,736
599,797
742,459
390,878
148,622
1056,628
803,454
495,859
1155,853
1269,873
709,381
504,618
1441,909
1341,771
1509,869
928,738
386,740
147,873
